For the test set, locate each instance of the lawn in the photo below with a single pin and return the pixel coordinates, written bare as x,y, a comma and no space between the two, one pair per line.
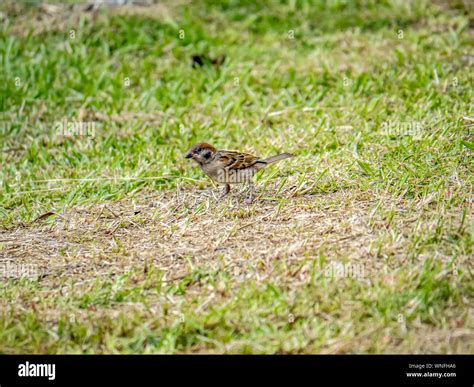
112,242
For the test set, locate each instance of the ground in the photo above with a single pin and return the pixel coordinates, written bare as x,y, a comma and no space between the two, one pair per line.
112,242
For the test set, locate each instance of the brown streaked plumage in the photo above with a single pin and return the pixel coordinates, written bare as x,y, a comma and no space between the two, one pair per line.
229,167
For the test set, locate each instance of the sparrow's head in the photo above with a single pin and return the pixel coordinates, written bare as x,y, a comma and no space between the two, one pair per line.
202,153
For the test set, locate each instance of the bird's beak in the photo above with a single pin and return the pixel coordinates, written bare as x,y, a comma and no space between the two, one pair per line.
188,155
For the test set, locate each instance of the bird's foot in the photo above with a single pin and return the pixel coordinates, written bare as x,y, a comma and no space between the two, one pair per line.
225,193
249,198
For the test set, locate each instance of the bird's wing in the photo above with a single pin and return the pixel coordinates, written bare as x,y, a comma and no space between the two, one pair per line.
236,160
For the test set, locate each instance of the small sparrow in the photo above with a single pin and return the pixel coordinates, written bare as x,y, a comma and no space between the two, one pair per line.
228,167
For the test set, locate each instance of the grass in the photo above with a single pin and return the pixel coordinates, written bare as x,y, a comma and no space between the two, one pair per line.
362,243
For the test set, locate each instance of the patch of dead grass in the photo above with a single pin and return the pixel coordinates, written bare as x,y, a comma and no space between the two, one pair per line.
62,17
171,229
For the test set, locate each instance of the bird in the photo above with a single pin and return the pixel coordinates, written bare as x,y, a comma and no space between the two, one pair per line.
230,167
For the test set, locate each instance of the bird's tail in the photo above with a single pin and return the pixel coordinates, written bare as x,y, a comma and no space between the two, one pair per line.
281,156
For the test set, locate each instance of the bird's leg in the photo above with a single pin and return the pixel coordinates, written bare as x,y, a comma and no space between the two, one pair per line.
249,198
226,191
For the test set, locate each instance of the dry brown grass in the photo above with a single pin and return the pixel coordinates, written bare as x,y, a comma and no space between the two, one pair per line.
164,229
60,18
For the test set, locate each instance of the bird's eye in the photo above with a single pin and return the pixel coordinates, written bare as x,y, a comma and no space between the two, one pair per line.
198,150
